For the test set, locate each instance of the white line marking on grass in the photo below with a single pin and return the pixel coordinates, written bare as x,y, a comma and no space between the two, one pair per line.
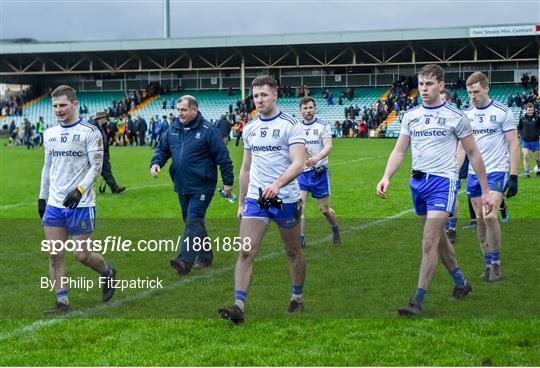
135,187
357,160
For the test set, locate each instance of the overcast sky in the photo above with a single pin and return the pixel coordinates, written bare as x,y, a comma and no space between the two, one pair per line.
77,20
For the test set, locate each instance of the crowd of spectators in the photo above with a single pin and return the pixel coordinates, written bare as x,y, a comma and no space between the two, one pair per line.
126,129
13,105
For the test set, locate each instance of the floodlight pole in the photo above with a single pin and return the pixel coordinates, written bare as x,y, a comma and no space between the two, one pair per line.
243,78
166,19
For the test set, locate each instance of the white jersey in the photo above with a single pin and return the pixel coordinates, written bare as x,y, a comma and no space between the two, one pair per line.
67,151
434,133
269,141
488,126
315,132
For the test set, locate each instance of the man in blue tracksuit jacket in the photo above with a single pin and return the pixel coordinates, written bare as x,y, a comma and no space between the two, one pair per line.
196,148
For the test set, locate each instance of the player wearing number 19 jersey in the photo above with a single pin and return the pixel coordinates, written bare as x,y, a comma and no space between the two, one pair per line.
274,152
66,204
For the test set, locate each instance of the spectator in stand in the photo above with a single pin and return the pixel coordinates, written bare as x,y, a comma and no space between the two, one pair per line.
339,133
525,81
350,93
301,91
330,98
459,103
534,81
510,100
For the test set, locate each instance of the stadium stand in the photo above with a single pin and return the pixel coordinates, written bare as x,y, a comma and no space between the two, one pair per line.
215,103
95,101
497,92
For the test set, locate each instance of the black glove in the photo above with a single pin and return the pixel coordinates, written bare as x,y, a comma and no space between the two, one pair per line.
41,204
512,186
275,202
73,198
318,172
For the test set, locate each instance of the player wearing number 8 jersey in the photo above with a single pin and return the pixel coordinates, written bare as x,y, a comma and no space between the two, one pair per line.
433,131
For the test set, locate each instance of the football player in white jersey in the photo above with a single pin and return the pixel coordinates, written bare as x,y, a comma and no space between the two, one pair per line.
433,130
274,155
496,137
66,204
315,178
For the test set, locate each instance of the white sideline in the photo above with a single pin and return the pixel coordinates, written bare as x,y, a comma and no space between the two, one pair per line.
135,187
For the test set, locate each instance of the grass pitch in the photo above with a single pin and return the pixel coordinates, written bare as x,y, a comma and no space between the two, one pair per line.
351,292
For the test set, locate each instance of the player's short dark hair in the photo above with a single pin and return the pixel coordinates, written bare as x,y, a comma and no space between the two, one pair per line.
307,99
264,80
191,101
477,77
432,70
529,105
65,90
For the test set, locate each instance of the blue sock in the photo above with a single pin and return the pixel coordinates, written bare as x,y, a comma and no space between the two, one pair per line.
302,241
62,296
420,295
108,272
458,277
240,297
451,223
495,257
297,291
487,259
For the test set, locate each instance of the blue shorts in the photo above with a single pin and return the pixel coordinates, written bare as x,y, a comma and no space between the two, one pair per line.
77,221
530,145
496,182
287,219
434,193
319,187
